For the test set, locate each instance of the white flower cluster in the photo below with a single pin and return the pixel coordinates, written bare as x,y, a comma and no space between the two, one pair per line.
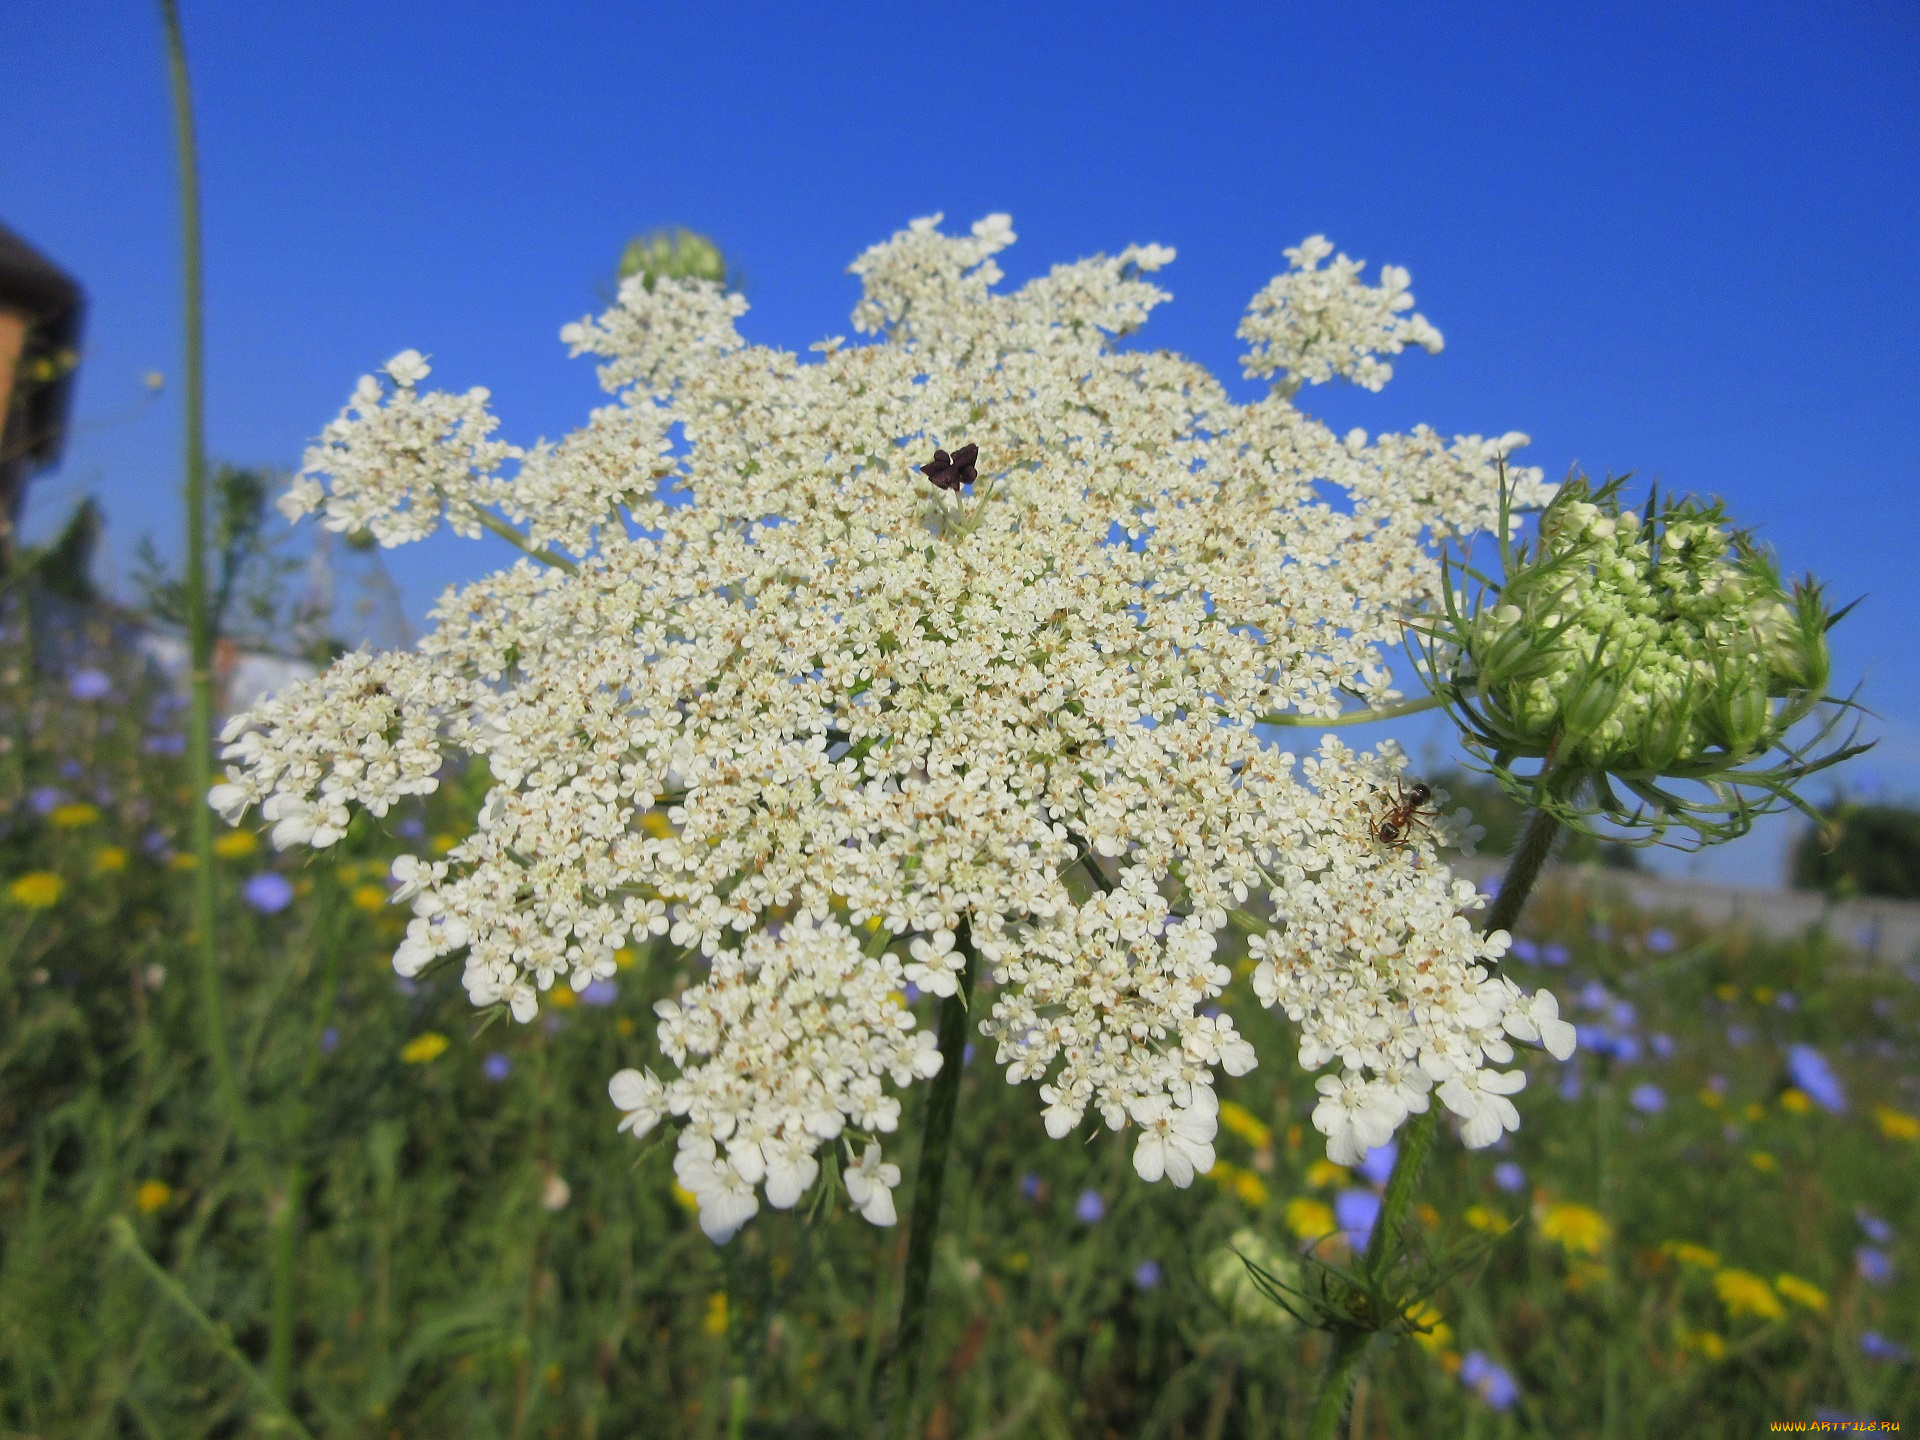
820,691
793,1035
1381,970
401,461
1312,324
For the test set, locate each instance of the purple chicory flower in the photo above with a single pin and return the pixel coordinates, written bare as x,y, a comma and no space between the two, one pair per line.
269,892
1648,1099
1556,954
1570,1084
329,1039
1146,1275
1594,996
1526,952
600,992
45,799
1873,1227
1661,1045
1090,1208
165,745
1509,1177
1660,941
496,1067
1811,1073
1031,1186
1740,1036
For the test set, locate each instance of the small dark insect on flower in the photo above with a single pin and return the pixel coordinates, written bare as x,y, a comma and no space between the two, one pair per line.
950,472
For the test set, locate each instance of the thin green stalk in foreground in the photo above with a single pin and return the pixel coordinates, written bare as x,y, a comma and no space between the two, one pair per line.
278,1418
213,1032
1530,857
943,1099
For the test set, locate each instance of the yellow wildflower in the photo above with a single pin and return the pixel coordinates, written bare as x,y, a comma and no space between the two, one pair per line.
1712,1099
1309,1219
1710,1344
109,860
1428,1217
1796,1102
442,844
1763,993
716,1322
369,898
37,890
151,1195
1480,1217
1431,1333
1244,1123
1687,1253
236,845
686,1199
425,1047
624,957
1763,1162
1727,992
1800,1292
183,862
72,817
1584,1275
561,997
1576,1229
1323,1173
623,1025
552,1375
1250,1188
1756,1111
1744,1293
1896,1125
656,824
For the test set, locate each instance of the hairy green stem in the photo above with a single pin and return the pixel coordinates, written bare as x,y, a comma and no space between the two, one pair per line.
1357,717
943,1099
520,542
1530,857
213,1031
120,1230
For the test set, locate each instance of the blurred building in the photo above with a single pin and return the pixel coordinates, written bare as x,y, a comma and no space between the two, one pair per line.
40,313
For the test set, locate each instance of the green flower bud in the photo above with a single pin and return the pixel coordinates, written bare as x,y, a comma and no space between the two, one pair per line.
1652,648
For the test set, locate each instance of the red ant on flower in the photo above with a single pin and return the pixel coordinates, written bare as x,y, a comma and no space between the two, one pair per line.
1406,810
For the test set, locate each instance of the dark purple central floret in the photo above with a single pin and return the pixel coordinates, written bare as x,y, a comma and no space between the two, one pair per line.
950,472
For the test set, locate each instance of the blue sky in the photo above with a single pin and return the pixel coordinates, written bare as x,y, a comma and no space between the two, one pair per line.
1672,240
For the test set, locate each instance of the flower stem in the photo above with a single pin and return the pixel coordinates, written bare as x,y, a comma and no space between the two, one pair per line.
213,1034
1530,856
943,1099
520,542
1343,1368
1357,717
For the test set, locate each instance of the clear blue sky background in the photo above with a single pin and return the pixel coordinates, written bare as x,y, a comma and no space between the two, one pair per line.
1676,240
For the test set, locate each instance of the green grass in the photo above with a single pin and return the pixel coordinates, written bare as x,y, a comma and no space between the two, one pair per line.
392,1212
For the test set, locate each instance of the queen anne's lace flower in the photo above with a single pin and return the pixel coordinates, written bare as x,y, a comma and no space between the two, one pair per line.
790,689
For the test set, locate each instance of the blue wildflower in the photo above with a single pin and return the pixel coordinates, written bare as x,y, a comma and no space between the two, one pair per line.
1661,1045
1787,1001
1876,1346
165,745
1090,1208
1594,996
1873,1227
1377,1163
966,1055
45,799
1740,1036
1509,1177
1648,1099
1660,941
496,1067
1146,1274
1030,1185
329,1039
1354,1211
1811,1073
1556,954
411,829
1489,1381
89,685
268,892
1526,951
600,992
1570,1084
1875,1266
912,993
